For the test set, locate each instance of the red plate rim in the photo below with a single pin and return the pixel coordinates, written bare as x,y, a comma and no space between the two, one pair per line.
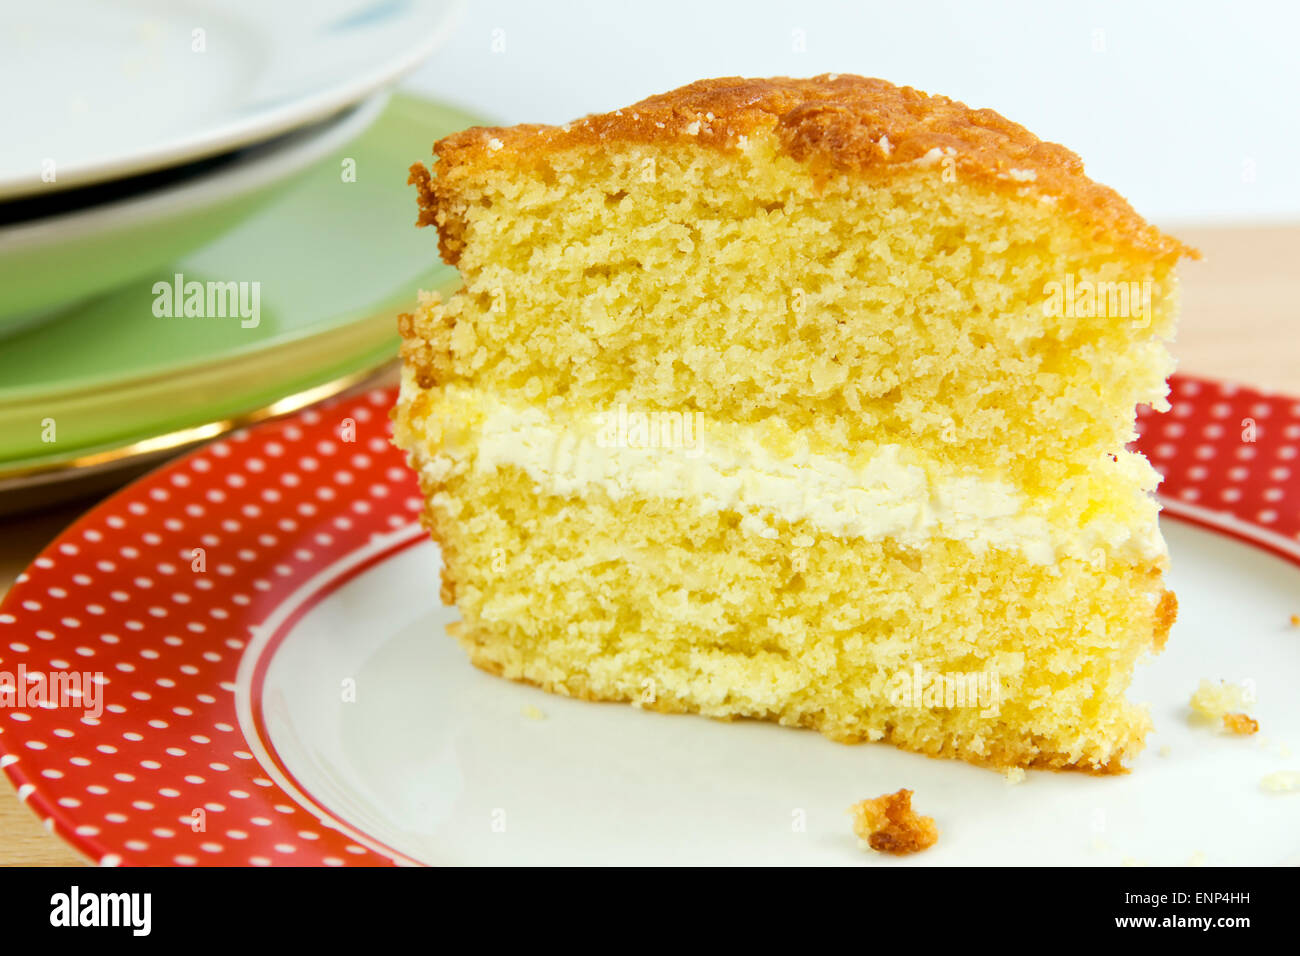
171,772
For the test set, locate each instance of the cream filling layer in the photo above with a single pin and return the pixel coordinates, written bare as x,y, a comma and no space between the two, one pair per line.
725,466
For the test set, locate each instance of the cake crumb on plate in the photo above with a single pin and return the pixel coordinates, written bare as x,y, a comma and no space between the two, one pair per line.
1226,704
1240,724
888,824
1284,781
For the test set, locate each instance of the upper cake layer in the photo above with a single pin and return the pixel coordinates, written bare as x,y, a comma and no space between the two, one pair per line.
996,311
836,123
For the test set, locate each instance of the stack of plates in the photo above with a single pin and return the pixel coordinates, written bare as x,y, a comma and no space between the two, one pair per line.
203,217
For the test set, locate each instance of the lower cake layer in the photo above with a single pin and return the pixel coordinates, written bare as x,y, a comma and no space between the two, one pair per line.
988,656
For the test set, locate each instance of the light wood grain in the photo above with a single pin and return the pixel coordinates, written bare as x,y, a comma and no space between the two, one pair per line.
1241,307
1241,322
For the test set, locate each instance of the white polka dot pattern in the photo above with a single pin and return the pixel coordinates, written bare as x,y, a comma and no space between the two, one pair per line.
160,588
1228,449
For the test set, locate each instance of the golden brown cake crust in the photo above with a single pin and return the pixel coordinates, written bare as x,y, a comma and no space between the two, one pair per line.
836,123
1166,614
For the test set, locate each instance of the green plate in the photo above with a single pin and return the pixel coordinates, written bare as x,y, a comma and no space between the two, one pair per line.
334,260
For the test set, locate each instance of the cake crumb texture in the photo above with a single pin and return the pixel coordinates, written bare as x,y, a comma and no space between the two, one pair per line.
888,824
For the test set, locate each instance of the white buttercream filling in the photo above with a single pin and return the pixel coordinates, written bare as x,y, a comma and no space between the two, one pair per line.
725,467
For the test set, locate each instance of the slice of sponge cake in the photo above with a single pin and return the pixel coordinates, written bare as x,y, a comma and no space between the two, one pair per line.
802,400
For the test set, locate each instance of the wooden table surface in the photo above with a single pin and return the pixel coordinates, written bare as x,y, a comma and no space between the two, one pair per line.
1241,321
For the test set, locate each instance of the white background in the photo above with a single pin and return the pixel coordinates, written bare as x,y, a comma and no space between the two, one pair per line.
1192,109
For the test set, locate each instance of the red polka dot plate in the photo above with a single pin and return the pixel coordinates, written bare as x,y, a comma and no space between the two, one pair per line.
239,660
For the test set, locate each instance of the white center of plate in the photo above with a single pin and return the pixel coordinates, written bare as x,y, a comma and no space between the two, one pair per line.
443,763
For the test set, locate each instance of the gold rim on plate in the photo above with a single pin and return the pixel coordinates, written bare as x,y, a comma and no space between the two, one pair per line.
25,476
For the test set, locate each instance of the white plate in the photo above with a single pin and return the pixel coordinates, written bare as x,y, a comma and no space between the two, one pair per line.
438,761
109,89
55,261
